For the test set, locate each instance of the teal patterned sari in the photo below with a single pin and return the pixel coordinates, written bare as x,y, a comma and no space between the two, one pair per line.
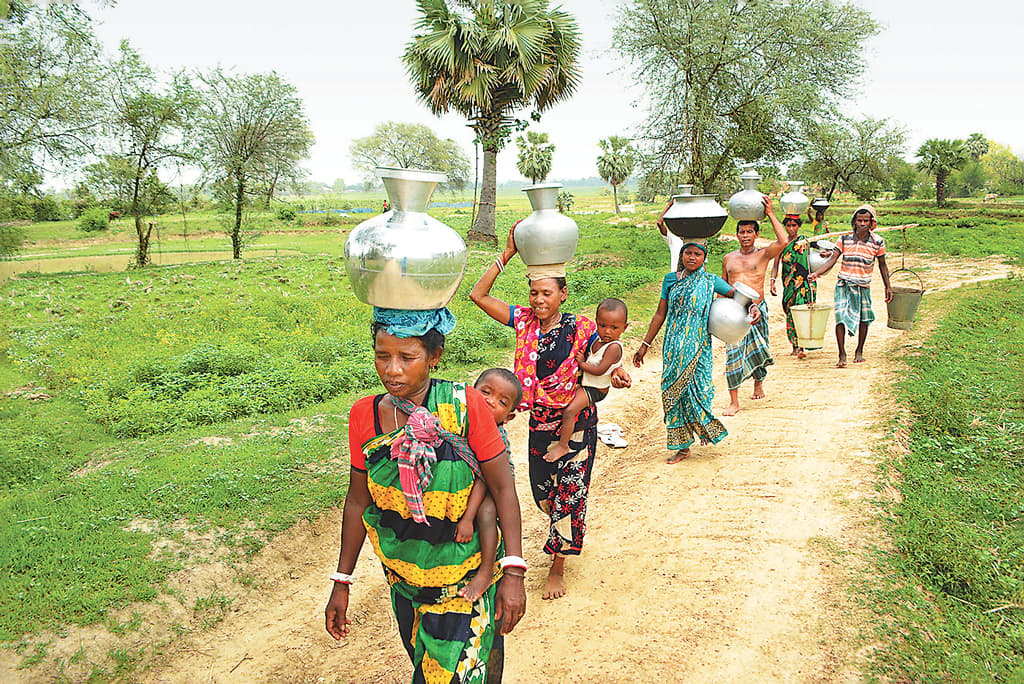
687,386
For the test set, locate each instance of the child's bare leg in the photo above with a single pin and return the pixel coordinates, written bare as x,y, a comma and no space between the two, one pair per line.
578,403
487,528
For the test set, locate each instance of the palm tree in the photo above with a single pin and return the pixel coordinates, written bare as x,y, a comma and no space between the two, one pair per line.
977,146
940,158
617,162
486,59
535,154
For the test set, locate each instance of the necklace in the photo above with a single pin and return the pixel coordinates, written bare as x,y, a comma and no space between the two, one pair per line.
395,407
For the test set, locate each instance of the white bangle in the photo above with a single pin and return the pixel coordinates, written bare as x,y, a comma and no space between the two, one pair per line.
341,578
512,562
500,264
645,343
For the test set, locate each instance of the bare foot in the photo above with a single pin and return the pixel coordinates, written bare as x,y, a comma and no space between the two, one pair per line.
556,452
679,456
758,391
555,587
732,409
800,354
858,357
476,587
796,351
841,363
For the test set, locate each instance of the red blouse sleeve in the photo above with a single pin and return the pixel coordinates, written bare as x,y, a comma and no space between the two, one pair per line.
484,438
360,429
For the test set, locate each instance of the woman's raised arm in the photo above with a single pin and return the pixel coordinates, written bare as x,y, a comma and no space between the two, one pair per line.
481,292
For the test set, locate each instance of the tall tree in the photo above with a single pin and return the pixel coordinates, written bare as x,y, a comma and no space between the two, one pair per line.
487,59
616,163
410,146
855,155
729,81
976,145
1005,168
146,126
53,93
536,155
251,131
940,158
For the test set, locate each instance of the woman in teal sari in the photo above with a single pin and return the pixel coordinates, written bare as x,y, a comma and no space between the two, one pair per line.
687,386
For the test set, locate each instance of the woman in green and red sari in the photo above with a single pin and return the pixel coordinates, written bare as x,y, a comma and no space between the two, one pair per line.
796,288
415,452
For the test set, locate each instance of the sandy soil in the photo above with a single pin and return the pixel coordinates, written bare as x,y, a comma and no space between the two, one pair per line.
731,565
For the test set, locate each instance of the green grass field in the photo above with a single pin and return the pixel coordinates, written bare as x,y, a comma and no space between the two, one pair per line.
153,419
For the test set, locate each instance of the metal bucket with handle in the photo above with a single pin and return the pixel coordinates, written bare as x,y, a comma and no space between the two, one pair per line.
905,300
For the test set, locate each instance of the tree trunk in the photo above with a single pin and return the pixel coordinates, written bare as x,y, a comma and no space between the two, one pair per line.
142,251
940,188
236,232
615,194
483,228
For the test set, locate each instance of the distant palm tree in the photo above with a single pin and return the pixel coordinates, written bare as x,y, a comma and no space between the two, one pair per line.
940,158
977,146
486,59
535,156
616,164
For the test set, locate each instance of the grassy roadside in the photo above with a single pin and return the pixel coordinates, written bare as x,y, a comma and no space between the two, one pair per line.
155,420
950,593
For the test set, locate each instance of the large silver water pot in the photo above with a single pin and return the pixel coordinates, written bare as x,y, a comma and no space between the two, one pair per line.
547,236
404,258
814,259
694,216
685,189
728,319
794,201
746,205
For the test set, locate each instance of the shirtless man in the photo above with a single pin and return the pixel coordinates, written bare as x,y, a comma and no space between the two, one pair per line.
750,357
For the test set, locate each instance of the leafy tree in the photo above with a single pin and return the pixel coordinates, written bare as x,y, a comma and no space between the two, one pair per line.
976,145
903,180
616,163
730,81
970,179
146,126
940,158
410,146
1005,168
338,186
487,60
854,155
53,93
114,181
251,131
535,156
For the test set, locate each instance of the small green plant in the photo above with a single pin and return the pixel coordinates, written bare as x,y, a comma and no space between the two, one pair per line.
565,201
286,212
94,221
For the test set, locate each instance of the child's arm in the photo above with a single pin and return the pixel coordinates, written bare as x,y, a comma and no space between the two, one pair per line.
610,358
464,529
775,273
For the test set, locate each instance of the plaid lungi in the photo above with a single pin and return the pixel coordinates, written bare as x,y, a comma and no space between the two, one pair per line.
751,356
852,306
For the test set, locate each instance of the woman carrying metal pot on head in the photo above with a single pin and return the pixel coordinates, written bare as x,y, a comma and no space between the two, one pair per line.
687,385
547,344
415,451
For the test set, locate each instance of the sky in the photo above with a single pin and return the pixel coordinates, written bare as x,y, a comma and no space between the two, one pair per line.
939,68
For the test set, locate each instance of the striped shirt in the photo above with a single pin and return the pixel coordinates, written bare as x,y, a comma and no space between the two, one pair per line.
858,258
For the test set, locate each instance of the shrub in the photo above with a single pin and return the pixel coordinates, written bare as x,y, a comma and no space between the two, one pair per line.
94,220
286,212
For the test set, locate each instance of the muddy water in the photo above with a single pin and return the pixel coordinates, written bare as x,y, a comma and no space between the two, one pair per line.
109,263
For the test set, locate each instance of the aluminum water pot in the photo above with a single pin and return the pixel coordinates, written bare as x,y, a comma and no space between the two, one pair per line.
404,258
746,205
794,201
685,189
695,216
814,259
728,319
547,236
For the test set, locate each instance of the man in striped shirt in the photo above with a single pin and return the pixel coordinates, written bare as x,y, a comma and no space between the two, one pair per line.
857,253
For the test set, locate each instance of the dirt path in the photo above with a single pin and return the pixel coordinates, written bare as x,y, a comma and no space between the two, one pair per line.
730,565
